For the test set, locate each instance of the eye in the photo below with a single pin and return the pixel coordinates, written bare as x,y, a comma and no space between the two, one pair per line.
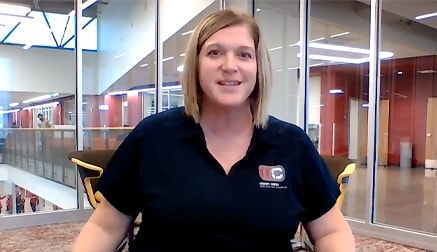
213,52
245,55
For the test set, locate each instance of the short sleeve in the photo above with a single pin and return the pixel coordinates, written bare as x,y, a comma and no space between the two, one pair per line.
119,183
320,190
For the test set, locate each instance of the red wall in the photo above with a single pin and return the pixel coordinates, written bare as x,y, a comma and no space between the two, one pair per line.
99,118
407,92
135,108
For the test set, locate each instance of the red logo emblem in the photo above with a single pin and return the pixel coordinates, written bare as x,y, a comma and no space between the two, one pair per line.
271,173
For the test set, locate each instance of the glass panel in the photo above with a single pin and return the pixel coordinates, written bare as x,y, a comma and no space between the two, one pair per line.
338,89
279,24
36,131
176,34
407,181
116,75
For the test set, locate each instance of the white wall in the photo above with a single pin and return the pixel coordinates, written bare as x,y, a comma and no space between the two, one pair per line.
44,70
314,88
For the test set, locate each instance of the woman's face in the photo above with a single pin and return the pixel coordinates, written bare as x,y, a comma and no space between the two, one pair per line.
228,67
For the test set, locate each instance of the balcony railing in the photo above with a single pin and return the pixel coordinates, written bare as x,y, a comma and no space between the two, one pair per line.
44,152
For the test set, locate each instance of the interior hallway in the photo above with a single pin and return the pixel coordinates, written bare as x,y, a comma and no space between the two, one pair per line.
59,238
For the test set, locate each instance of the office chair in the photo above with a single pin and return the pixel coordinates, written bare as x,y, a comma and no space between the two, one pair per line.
341,168
91,164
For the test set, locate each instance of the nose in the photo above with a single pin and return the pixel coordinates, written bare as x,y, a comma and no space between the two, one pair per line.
230,63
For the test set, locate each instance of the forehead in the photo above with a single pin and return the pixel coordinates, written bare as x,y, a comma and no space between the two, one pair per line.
233,36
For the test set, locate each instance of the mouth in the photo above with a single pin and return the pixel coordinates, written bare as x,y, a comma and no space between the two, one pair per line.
230,83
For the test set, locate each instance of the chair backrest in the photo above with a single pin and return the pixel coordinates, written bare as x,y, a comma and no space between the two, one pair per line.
90,164
341,168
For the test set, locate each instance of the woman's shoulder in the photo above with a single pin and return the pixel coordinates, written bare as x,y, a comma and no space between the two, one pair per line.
165,122
284,128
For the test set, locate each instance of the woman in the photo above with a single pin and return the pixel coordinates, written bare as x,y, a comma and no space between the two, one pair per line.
218,174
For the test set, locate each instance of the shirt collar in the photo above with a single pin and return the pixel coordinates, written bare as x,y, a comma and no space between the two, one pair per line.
269,135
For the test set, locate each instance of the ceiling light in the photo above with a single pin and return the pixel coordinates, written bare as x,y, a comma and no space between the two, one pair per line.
144,65
326,46
13,104
275,48
40,98
317,39
336,91
339,34
120,55
41,106
426,16
180,68
383,54
27,46
167,59
186,33
8,111
427,71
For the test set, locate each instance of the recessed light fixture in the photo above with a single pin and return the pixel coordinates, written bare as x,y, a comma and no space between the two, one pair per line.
429,15
427,71
336,91
339,34
187,32
180,68
275,48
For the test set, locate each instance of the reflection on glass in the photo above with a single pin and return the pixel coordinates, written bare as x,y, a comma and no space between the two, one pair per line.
175,45
279,24
338,90
407,181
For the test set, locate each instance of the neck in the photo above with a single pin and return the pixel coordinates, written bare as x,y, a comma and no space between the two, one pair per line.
226,121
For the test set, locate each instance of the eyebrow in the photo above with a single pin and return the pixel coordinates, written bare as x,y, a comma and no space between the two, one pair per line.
221,46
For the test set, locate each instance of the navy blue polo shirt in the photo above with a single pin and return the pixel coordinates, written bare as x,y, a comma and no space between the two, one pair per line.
164,170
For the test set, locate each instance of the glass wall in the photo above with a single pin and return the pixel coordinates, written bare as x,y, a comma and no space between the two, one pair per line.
279,23
406,176
338,89
392,193
37,79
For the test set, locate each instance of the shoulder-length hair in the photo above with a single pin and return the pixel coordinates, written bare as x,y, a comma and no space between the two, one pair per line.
190,77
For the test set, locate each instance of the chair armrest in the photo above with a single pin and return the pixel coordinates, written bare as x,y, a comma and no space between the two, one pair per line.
87,165
343,178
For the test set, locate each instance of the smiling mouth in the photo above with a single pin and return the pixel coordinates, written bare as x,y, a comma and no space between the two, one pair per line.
229,83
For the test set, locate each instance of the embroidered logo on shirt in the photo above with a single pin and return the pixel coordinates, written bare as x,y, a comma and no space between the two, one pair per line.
271,173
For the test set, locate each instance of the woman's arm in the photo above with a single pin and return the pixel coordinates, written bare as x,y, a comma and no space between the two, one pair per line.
104,230
331,232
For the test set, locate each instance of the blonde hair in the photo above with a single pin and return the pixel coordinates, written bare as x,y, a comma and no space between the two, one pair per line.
190,77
